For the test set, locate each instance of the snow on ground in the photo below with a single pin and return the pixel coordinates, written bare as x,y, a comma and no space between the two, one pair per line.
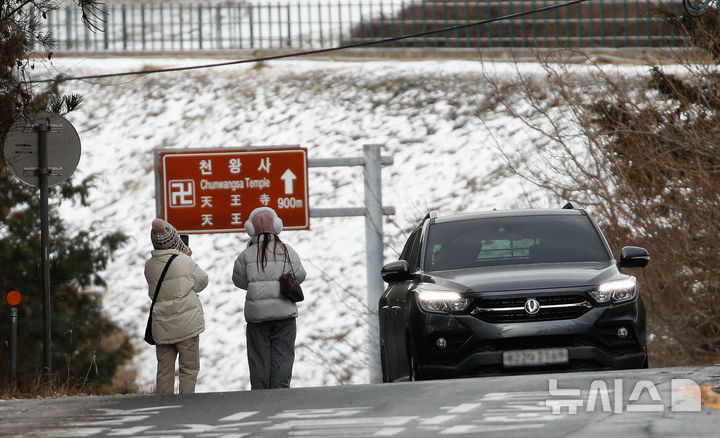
432,117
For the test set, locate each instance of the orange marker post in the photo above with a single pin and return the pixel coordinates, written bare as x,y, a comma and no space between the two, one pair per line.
13,298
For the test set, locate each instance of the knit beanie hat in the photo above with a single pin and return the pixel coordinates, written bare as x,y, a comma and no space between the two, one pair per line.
263,222
165,236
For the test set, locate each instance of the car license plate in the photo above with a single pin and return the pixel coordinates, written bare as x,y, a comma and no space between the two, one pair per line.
540,356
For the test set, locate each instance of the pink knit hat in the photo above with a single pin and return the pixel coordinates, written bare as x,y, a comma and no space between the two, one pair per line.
263,222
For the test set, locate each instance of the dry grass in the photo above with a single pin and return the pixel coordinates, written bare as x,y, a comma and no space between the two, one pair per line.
123,383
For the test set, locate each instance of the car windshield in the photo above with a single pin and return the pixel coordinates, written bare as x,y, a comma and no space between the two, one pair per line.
498,241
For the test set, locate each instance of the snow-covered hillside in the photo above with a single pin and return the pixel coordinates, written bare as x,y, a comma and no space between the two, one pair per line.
432,118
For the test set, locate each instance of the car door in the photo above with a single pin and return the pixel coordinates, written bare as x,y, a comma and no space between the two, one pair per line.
394,311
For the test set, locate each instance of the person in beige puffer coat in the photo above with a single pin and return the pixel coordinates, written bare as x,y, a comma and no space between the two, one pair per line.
270,316
177,319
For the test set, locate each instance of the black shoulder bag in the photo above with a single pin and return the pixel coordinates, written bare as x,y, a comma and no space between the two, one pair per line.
289,286
148,329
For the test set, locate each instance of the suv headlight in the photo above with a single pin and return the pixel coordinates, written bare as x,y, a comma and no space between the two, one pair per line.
442,301
616,291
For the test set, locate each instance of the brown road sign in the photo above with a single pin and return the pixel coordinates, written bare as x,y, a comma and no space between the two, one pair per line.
214,190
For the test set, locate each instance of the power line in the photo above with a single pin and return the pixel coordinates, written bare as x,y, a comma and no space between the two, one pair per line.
316,51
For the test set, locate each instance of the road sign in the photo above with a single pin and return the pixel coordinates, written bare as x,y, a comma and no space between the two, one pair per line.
214,190
22,149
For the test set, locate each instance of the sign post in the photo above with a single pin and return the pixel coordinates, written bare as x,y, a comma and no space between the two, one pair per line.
373,252
373,211
42,153
214,190
43,171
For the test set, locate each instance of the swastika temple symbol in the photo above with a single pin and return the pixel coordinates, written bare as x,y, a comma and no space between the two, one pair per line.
182,193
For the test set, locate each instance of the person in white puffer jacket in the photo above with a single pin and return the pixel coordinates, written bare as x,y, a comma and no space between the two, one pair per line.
270,316
177,318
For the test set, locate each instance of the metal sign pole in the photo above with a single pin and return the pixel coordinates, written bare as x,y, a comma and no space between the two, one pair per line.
373,253
373,212
43,170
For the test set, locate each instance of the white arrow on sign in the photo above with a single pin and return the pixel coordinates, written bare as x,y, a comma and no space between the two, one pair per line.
288,177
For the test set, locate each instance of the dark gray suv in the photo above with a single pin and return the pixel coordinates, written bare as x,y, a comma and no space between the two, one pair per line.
510,291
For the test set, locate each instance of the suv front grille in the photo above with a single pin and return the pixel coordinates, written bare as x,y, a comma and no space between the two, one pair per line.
513,309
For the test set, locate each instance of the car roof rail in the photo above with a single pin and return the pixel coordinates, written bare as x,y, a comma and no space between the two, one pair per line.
570,206
432,214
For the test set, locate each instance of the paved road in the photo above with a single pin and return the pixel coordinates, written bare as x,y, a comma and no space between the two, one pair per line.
638,403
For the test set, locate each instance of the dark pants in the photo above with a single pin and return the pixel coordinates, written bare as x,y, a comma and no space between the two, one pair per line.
271,353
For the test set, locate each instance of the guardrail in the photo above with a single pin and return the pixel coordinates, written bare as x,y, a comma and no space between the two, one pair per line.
311,25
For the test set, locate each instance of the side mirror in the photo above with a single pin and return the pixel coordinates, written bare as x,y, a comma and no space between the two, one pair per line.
634,257
395,271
